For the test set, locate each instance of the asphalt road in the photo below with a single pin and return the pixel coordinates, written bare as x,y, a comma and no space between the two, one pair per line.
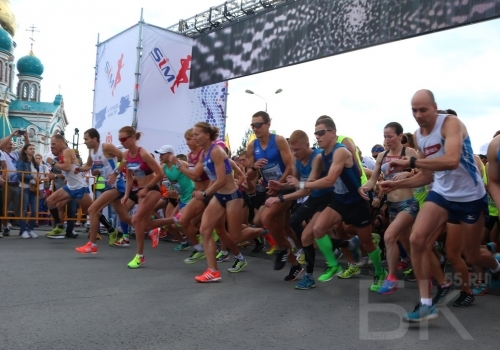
54,298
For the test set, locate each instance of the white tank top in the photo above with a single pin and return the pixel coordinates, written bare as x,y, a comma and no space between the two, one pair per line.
463,184
106,166
74,181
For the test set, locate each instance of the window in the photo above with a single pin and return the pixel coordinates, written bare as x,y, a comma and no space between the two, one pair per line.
1,71
25,91
33,92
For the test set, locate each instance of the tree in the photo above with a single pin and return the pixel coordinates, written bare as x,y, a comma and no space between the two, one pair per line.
244,142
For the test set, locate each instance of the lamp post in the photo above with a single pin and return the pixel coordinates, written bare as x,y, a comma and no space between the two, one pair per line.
253,93
77,137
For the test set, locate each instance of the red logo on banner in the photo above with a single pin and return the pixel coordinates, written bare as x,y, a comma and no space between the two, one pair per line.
116,78
167,71
109,138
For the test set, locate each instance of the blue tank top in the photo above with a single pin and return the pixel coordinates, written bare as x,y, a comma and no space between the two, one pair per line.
209,166
346,187
305,171
275,167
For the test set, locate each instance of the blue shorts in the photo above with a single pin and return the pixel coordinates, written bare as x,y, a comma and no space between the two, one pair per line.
409,206
182,205
466,212
76,194
224,198
120,186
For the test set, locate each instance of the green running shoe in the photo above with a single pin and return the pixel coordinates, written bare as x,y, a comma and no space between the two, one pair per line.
351,271
57,232
378,281
137,262
237,266
330,272
112,237
195,256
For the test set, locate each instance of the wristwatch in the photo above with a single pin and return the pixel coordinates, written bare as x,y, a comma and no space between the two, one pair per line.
253,168
412,162
280,196
204,194
302,185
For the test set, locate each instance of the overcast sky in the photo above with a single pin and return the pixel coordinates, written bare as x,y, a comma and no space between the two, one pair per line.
362,91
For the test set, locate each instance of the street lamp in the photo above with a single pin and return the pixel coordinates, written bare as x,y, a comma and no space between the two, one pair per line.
76,137
253,93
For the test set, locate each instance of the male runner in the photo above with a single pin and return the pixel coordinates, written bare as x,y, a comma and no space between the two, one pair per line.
271,154
104,158
76,187
457,196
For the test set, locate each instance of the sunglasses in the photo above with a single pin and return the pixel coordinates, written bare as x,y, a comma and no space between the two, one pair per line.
321,132
257,125
123,139
482,156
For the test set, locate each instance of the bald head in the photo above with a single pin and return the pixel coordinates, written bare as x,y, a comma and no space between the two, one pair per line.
424,95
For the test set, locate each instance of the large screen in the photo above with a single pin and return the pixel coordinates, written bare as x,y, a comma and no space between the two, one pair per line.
311,29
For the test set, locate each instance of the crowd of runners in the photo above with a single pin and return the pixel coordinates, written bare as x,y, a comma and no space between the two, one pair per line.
423,201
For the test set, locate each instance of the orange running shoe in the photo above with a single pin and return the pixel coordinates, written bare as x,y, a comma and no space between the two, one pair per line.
87,249
209,276
163,233
155,237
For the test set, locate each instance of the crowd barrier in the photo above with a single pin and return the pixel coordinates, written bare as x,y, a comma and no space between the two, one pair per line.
12,195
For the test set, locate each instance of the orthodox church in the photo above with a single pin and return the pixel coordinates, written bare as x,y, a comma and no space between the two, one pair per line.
21,107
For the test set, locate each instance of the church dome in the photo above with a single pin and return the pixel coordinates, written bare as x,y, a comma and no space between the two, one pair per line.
5,40
30,65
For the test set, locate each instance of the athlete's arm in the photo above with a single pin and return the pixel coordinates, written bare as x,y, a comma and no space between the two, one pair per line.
480,166
240,174
316,169
184,168
68,155
218,156
494,170
251,174
375,174
453,134
86,167
340,158
153,165
286,157
110,151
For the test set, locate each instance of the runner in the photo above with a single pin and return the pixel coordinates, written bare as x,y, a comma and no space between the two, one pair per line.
457,196
76,187
402,205
271,154
347,204
146,172
226,200
104,158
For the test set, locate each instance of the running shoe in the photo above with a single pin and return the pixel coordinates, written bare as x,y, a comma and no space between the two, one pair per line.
221,257
442,292
25,235
409,276
137,262
421,313
181,247
338,253
177,218
464,299
154,235
307,282
208,276
57,233
364,262
259,245
330,272
480,289
495,276
195,256
492,247
238,265
281,258
122,242
295,271
388,287
402,265
272,250
352,270
112,237
87,249
378,281
32,234
163,233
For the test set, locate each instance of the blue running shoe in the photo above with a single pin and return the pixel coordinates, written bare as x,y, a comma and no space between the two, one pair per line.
388,287
307,282
421,313
495,277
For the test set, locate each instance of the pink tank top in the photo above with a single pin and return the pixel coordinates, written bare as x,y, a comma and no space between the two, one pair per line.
192,161
137,166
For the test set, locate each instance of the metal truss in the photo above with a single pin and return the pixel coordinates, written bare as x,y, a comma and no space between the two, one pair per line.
221,15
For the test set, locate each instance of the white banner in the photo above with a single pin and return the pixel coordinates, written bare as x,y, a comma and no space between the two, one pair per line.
167,107
114,84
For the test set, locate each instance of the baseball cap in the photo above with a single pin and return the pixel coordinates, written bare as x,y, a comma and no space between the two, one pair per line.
484,149
165,149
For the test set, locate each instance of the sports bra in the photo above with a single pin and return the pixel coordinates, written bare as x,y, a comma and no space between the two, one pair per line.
192,161
137,166
385,163
209,166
